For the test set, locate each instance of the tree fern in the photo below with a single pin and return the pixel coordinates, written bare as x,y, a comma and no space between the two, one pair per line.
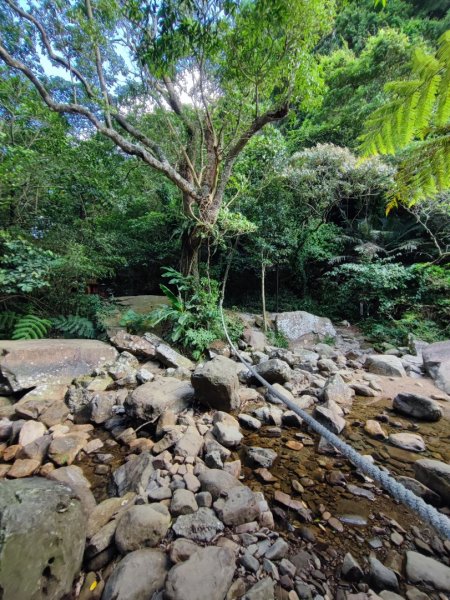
30,327
75,326
416,120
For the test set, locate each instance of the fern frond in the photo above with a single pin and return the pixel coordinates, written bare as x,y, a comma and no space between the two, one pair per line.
418,109
30,327
75,326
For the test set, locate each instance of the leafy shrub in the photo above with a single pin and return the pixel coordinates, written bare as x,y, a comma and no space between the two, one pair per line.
193,313
379,286
24,268
277,339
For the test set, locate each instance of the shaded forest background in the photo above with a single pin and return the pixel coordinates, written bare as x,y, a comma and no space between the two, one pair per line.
300,207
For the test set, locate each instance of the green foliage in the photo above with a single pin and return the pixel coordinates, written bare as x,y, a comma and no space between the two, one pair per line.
354,88
7,321
193,313
30,327
24,268
74,326
379,286
419,109
277,338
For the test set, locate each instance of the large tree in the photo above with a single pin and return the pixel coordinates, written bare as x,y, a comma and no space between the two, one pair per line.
218,71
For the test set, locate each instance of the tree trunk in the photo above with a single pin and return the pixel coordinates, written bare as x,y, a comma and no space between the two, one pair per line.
191,242
263,293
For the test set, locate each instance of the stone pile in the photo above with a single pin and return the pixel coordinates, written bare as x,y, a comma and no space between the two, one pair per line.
179,522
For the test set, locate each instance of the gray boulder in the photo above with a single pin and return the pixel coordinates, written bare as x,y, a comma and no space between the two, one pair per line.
421,490
171,358
381,577
259,457
274,370
135,344
419,407
241,506
132,476
102,404
152,399
183,503
42,529
300,326
384,364
216,481
206,575
73,477
29,363
338,391
227,435
424,569
329,418
262,590
143,525
436,360
201,526
216,384
137,576
408,441
435,475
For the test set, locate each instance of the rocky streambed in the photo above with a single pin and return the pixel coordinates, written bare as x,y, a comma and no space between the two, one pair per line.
146,476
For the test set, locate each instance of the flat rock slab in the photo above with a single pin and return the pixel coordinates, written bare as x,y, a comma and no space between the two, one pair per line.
29,363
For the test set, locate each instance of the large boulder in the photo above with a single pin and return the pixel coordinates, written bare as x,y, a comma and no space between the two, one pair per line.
138,576
216,384
29,363
435,475
385,364
152,399
436,360
206,575
42,532
300,326
419,407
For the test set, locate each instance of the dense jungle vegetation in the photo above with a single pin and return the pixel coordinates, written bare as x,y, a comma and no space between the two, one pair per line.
305,144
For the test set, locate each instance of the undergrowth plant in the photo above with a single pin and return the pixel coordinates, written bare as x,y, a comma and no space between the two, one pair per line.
23,327
193,313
